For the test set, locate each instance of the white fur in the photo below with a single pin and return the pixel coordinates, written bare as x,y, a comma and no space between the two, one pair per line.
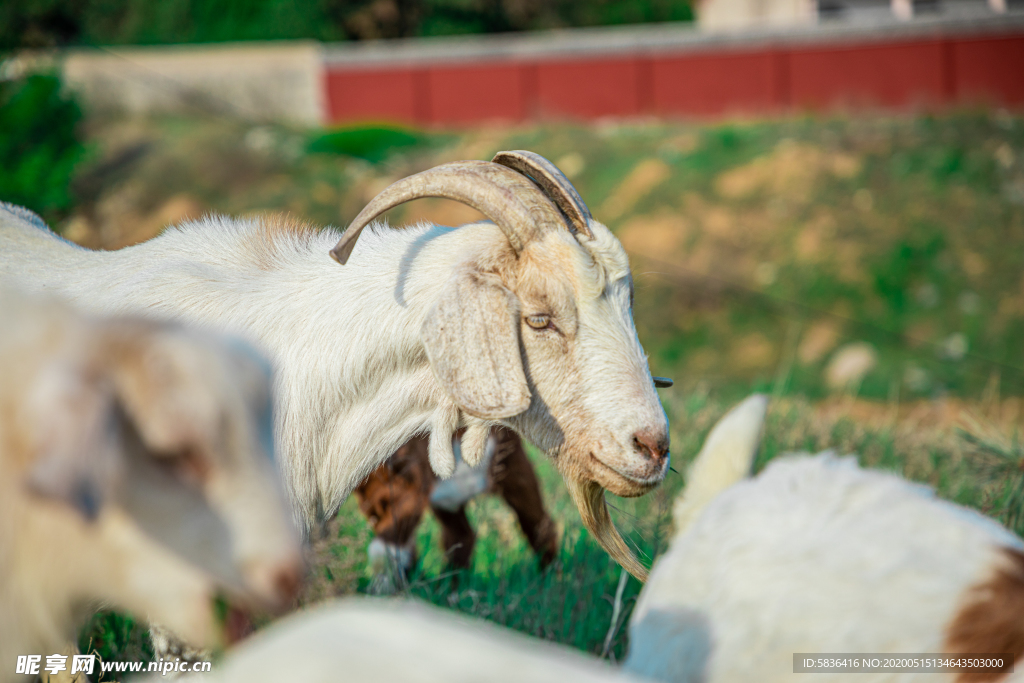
385,641
353,381
725,458
813,555
468,481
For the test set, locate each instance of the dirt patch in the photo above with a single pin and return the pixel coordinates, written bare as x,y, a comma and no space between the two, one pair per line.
644,177
849,365
703,360
973,264
442,212
116,222
814,238
849,255
658,235
818,340
790,171
941,417
753,352
571,164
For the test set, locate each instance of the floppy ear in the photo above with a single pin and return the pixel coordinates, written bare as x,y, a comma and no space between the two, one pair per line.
472,340
168,402
76,437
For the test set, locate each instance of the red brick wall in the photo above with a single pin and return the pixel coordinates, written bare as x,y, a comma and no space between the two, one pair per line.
989,70
894,74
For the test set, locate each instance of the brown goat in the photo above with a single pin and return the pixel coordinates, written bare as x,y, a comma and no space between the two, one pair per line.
396,494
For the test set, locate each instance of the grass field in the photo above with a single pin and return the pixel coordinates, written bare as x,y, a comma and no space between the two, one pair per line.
760,249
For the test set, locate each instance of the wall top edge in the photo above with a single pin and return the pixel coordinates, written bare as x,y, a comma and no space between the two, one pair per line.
652,39
580,43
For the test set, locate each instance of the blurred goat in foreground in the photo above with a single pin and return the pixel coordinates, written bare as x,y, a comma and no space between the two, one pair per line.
817,555
135,473
378,640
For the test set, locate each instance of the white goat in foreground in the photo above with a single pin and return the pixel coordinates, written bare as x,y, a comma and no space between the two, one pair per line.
816,555
377,640
134,474
525,322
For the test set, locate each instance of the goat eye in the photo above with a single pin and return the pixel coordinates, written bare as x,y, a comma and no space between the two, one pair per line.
538,322
188,465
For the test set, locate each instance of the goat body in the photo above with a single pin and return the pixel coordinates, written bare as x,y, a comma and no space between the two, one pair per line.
424,330
818,555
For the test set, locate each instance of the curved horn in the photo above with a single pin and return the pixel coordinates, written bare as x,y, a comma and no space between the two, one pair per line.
554,183
511,200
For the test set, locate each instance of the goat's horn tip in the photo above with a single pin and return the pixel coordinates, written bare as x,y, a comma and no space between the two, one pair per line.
341,253
662,382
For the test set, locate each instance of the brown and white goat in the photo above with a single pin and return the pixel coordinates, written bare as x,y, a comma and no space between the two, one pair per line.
395,496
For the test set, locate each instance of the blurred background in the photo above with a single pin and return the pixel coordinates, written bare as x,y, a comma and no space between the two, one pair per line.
823,201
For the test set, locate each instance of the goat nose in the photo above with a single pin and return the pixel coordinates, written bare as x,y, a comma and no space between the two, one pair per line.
652,445
287,581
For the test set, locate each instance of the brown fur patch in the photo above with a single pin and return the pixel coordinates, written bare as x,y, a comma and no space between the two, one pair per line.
513,478
396,494
274,231
992,619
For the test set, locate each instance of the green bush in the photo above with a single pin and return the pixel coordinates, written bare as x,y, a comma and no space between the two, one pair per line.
372,143
39,144
46,23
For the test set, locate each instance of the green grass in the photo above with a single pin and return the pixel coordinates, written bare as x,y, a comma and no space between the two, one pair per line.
115,637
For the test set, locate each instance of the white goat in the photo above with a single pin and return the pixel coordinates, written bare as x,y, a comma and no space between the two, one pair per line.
525,322
816,555
378,640
133,474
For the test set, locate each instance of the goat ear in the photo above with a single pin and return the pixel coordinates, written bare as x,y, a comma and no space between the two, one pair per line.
76,440
155,382
472,340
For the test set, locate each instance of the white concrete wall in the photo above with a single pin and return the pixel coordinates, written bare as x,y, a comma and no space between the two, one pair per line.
257,81
718,15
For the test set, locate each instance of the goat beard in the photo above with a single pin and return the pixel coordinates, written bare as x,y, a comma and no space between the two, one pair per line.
589,499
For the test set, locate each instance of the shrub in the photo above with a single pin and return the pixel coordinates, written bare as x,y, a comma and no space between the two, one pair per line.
39,144
372,143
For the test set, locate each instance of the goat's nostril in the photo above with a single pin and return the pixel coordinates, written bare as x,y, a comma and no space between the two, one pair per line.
650,446
287,582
